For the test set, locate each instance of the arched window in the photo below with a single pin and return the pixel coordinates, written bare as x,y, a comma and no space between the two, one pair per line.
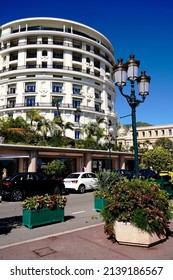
44,53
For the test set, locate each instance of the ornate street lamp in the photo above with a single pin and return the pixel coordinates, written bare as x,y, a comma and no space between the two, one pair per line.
129,71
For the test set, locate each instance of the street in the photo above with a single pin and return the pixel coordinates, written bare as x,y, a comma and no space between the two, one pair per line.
79,213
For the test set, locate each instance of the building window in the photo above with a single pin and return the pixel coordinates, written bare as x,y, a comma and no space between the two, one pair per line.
170,132
44,53
57,54
97,107
44,40
76,117
163,132
76,103
98,95
109,97
57,101
31,54
57,87
30,101
77,57
156,132
12,89
143,133
77,134
44,64
57,114
31,40
11,103
77,89
30,87
13,56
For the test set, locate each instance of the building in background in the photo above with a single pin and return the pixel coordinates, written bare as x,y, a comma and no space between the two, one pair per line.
145,134
43,60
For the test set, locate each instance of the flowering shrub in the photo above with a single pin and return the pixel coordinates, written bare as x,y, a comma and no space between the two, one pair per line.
44,201
139,202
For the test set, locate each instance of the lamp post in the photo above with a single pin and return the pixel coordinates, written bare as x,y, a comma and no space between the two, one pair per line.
129,71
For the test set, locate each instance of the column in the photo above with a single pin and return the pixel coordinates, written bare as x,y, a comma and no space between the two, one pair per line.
121,162
88,162
32,166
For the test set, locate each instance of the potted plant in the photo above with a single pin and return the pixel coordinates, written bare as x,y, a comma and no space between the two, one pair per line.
105,180
137,213
44,209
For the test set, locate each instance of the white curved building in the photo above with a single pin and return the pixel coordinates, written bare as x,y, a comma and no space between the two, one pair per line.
42,59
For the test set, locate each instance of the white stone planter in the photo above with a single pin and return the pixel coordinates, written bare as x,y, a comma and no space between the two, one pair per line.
127,234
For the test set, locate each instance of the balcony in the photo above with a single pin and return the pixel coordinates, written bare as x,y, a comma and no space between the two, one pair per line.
54,66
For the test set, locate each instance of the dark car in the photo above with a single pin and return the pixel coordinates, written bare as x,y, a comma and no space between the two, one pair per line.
21,185
125,173
147,173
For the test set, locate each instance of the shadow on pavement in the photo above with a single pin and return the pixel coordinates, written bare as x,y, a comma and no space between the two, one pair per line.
7,224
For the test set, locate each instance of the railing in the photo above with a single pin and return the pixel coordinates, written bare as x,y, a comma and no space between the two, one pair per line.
45,105
53,43
67,30
39,66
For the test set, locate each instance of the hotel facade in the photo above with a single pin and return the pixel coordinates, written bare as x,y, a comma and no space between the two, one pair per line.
43,60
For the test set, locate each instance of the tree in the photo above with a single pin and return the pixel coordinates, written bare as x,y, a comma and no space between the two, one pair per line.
55,168
45,127
67,125
165,143
93,129
18,122
159,158
63,126
33,115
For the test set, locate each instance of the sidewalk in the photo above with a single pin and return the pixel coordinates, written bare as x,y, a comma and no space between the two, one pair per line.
89,243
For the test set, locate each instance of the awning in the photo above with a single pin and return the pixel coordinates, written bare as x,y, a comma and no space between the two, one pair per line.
13,154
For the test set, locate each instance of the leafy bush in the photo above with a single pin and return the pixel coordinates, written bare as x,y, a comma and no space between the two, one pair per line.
44,201
139,202
55,167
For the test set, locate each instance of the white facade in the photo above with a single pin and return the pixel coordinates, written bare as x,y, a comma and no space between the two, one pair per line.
144,134
46,58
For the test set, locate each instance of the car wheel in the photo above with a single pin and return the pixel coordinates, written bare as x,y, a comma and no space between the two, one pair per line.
81,189
57,190
17,195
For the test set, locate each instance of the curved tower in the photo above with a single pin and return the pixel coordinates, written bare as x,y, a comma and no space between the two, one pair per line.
43,60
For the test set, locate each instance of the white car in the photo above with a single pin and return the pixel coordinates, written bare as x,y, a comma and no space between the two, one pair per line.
80,181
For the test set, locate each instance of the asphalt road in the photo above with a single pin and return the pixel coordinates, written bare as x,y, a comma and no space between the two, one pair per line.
79,213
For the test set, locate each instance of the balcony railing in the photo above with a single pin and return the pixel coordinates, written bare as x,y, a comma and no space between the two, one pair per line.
47,105
70,45
57,67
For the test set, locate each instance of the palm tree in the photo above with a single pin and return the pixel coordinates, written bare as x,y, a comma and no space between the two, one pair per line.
33,115
93,129
63,126
45,126
67,125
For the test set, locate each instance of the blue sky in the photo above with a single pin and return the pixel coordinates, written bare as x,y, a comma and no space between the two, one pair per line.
141,28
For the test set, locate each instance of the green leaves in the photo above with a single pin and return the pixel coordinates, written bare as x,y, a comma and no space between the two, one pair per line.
139,202
44,201
159,158
105,181
55,167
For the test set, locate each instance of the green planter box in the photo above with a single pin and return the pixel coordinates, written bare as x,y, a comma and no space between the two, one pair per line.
166,186
99,203
33,218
